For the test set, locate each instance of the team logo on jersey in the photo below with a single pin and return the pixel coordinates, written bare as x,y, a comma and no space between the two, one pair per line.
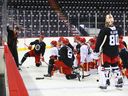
37,47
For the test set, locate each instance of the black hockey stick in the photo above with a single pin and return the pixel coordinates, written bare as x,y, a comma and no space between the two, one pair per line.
39,78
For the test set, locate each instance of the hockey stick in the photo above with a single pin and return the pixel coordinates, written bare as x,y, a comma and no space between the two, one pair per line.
39,78
45,62
26,45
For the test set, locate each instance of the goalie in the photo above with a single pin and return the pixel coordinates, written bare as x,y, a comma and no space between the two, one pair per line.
108,41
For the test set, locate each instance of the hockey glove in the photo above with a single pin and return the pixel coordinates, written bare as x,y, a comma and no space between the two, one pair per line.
30,47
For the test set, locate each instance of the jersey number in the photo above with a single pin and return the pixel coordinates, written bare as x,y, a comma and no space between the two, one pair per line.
69,52
113,40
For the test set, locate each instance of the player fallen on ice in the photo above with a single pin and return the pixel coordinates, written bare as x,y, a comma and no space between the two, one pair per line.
37,52
108,42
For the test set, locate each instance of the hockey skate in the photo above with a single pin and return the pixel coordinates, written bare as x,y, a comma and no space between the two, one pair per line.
103,87
78,76
20,64
107,84
119,83
47,75
19,69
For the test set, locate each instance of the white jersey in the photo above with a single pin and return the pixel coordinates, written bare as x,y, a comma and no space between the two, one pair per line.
54,51
84,54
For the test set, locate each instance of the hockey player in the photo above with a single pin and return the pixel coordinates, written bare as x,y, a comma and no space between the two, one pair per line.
12,42
65,62
37,51
85,57
92,42
107,42
53,57
77,46
124,57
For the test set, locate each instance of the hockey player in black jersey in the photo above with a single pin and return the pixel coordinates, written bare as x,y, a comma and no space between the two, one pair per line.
65,62
12,42
107,43
39,49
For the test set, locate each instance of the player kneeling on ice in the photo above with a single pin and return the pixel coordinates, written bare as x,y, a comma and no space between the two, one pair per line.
107,42
65,61
37,52
53,58
124,57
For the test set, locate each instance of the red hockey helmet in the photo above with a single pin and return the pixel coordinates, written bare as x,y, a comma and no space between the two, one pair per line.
92,40
65,41
54,43
82,40
60,39
77,37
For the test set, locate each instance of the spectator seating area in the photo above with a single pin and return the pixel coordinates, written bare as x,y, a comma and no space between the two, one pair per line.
88,8
38,15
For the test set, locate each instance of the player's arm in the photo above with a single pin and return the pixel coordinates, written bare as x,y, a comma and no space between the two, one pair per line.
34,42
43,49
99,44
30,45
9,31
100,41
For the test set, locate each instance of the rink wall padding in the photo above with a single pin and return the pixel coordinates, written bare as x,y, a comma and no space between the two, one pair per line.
15,81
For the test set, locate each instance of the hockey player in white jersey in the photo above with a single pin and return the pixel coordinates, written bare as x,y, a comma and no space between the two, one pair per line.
52,58
85,57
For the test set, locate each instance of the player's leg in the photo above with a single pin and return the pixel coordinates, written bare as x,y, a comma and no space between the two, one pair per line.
118,76
104,75
37,60
24,58
50,68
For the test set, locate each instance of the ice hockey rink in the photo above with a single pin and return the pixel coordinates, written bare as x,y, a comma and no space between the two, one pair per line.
58,85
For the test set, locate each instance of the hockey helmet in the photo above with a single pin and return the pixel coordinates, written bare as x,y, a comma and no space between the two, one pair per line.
92,40
60,39
54,43
82,40
65,41
77,37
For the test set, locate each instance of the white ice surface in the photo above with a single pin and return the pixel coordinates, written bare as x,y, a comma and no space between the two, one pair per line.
58,85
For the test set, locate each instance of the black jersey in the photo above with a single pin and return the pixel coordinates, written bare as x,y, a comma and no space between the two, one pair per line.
66,55
69,45
39,47
12,38
108,41
78,48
